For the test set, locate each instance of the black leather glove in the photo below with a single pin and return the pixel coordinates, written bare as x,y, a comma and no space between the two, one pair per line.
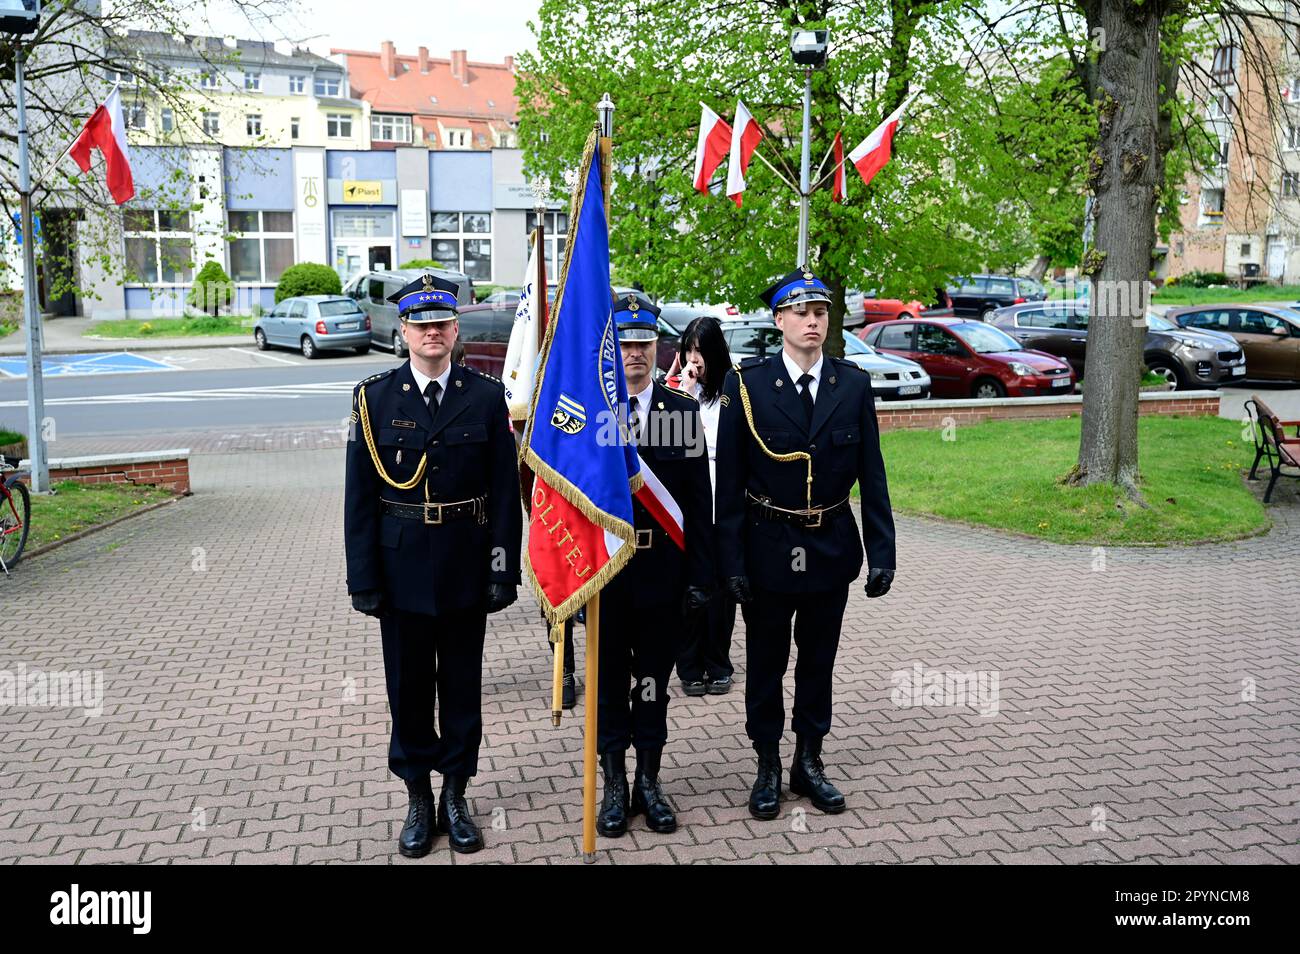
879,582
695,600
499,596
368,602
738,587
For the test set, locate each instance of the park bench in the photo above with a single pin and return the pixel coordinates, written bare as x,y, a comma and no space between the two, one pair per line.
1282,452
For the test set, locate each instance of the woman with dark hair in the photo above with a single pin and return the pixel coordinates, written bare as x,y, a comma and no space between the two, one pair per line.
704,665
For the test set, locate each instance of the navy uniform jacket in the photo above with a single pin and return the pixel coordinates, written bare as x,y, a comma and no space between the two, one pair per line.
471,453
659,576
844,442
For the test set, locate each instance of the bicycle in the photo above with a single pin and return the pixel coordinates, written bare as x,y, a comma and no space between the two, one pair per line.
15,514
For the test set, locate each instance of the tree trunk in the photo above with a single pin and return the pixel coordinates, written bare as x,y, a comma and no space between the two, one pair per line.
1039,268
1125,172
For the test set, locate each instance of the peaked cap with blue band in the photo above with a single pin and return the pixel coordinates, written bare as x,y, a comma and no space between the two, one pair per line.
637,318
427,299
801,285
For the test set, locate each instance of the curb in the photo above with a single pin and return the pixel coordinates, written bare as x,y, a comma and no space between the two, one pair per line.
55,544
137,344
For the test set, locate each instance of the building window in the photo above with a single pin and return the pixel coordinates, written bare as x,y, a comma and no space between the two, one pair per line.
338,125
462,241
1222,152
1212,203
253,81
212,123
168,119
327,86
557,228
137,117
293,127
1224,66
158,247
253,124
297,84
124,77
457,138
1291,184
385,128
261,245
207,80
1292,137
1245,250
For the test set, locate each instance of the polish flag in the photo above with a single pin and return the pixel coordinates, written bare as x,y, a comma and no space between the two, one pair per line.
840,185
105,130
655,497
745,135
870,155
711,148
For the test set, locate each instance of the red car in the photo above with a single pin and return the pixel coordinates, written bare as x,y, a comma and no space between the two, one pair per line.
864,309
971,359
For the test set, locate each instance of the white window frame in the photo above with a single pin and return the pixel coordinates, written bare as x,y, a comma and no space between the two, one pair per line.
261,235
460,237
1291,139
157,236
211,122
321,86
1290,185
390,127
336,122
459,138
253,124
297,84
208,79
167,120
135,116
252,81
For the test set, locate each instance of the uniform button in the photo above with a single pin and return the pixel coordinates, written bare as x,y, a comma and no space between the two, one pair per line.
433,443
812,447
433,469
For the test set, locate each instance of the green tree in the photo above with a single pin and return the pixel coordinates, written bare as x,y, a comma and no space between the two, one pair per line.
212,289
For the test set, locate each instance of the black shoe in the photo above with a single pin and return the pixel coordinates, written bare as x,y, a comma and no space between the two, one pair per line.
416,839
612,821
808,777
695,687
454,819
765,797
720,686
569,691
647,797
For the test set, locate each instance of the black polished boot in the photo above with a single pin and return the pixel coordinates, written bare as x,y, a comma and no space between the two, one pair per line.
569,691
454,818
808,776
647,797
416,838
765,797
612,821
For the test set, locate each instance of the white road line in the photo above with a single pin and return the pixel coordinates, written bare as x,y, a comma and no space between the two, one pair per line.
263,354
274,392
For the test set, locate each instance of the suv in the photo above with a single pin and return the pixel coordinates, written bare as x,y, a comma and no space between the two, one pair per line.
980,295
370,290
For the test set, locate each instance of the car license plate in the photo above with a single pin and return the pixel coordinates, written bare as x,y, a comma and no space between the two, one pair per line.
1239,370
349,325
910,389
1060,382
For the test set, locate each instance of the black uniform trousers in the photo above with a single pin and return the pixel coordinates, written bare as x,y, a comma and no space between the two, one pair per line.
428,661
707,650
637,651
817,618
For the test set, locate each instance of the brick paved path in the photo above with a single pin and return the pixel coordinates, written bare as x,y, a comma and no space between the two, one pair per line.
244,716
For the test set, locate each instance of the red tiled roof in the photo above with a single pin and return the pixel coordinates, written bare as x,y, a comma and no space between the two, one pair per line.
411,90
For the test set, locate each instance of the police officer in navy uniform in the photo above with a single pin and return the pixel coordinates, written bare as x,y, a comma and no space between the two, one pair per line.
643,609
432,528
797,429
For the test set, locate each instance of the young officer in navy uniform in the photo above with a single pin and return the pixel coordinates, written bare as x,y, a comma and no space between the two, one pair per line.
643,609
432,528
796,431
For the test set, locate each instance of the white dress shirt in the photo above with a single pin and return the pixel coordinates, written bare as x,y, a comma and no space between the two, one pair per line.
792,369
642,408
422,381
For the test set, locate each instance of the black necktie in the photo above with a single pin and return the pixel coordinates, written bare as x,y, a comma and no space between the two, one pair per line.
431,392
633,423
805,394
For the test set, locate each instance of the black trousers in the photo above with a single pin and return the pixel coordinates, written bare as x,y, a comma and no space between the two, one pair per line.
428,661
637,650
817,618
707,651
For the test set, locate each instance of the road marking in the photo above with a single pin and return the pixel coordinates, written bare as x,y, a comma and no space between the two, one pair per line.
262,354
273,392
68,365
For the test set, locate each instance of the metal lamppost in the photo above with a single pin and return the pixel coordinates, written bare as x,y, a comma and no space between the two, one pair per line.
808,49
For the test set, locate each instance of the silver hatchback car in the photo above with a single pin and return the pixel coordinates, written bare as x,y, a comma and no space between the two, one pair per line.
314,323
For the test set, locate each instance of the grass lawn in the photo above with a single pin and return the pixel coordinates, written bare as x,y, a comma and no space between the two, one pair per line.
9,437
1005,474
78,506
1179,295
172,327
8,328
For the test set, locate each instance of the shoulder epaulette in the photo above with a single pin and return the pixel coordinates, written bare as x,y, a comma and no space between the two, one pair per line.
846,363
484,374
679,391
376,377
751,361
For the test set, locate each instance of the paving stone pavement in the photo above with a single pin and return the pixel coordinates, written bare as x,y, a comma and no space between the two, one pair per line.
1147,709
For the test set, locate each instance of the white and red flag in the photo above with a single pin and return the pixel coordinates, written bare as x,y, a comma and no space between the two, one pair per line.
105,130
745,135
840,185
711,148
870,155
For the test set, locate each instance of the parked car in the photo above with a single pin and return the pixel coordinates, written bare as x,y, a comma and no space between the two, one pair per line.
1270,337
1183,357
892,378
971,359
862,308
679,314
980,295
370,290
314,323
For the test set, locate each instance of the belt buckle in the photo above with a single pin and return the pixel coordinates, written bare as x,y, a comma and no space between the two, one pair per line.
816,517
433,523
649,539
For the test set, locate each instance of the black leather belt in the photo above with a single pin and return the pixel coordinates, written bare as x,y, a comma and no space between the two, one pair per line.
437,513
811,519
